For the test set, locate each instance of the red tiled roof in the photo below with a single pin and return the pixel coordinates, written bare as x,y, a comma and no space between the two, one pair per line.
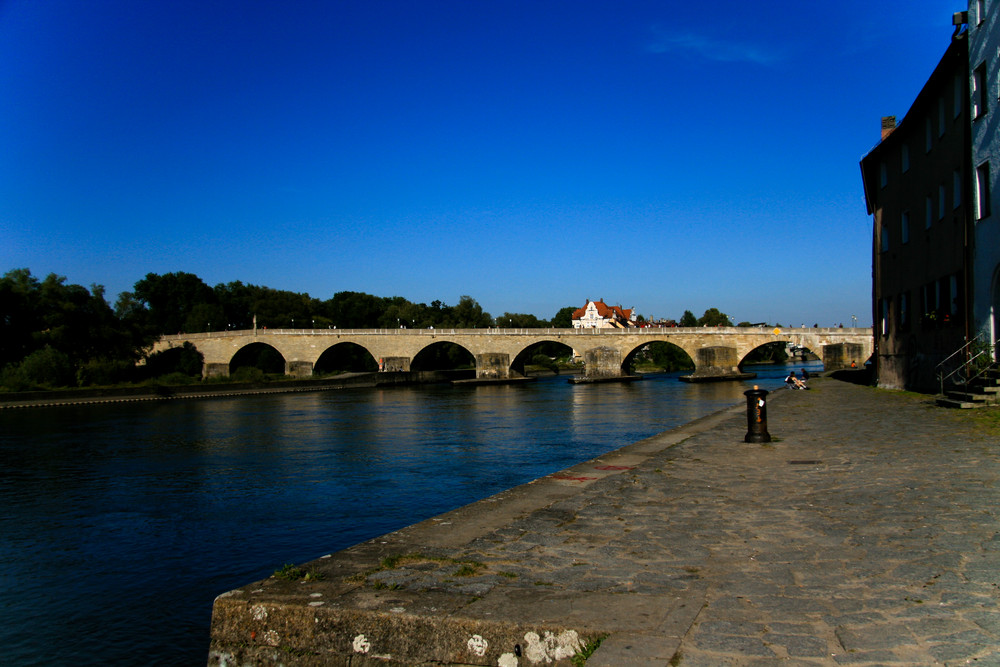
604,310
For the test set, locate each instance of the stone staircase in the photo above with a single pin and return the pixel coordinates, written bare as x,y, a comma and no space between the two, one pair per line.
979,392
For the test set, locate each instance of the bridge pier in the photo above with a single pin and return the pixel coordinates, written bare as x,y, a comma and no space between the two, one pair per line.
214,370
840,355
717,363
394,364
602,362
299,369
493,366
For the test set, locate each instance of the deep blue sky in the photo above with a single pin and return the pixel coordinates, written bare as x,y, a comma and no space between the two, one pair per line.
662,155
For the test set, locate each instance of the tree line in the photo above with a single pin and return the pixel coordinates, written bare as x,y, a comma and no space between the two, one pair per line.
55,334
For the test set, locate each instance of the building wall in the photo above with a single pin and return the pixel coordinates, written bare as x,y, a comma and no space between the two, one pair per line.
917,184
591,319
984,46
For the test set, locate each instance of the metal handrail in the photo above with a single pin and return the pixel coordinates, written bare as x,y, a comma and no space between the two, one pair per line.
966,363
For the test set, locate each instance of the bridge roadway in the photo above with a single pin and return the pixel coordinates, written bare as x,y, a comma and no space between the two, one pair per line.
717,352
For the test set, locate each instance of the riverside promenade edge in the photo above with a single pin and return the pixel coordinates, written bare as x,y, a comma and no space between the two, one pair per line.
866,533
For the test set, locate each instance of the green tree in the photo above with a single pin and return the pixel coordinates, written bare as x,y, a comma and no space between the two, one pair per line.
521,321
468,314
170,298
18,315
355,310
70,319
564,318
714,318
46,368
688,319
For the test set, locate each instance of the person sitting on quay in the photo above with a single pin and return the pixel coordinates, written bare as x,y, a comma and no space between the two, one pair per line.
793,382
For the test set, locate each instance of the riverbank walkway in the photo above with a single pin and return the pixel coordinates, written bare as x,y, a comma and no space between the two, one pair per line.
866,533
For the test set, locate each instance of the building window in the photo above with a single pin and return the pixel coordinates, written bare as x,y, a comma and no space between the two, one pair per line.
884,233
931,299
942,199
905,158
956,189
980,11
883,175
941,117
979,91
904,227
886,307
904,310
928,212
928,134
983,191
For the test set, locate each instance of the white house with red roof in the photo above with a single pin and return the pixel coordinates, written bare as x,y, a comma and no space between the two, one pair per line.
599,315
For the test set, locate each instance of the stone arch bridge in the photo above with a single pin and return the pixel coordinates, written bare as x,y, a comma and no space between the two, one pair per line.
717,352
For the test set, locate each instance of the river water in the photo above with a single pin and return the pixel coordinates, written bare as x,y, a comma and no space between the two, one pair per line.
120,523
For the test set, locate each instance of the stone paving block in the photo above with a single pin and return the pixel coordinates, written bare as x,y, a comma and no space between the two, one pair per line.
937,625
738,644
784,606
869,658
799,646
987,620
874,637
633,650
791,628
731,628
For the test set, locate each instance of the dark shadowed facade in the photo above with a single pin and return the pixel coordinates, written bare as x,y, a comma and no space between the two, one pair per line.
916,183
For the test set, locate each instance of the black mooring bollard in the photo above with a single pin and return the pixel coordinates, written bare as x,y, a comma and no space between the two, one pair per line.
756,415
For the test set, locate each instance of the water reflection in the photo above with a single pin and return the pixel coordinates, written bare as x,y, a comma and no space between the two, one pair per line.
122,522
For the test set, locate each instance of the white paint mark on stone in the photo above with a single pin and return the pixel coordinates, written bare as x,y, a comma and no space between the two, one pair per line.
259,613
550,648
477,645
326,556
224,658
507,660
271,638
398,610
318,603
361,644
315,595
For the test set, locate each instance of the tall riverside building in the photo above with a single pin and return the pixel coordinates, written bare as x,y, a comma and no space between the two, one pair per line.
984,116
917,184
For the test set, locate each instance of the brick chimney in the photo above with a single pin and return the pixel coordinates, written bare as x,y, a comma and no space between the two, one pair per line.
888,125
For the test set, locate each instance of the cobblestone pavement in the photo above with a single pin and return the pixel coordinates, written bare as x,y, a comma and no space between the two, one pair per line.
866,533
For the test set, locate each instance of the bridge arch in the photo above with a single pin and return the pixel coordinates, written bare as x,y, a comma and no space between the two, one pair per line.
345,356
659,354
766,352
258,355
442,355
545,347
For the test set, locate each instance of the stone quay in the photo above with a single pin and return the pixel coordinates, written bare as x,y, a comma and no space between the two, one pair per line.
865,533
